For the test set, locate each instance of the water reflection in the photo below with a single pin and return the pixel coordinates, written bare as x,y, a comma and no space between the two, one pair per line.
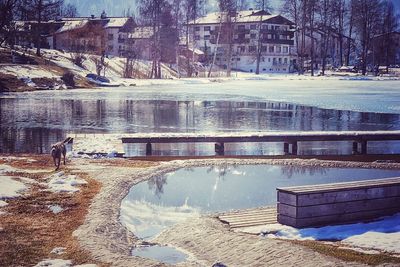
31,124
180,195
290,171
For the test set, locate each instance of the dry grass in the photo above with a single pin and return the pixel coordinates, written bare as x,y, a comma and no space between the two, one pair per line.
349,255
126,163
31,230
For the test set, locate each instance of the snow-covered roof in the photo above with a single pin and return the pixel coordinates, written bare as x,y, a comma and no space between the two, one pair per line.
72,24
116,22
196,51
247,16
143,32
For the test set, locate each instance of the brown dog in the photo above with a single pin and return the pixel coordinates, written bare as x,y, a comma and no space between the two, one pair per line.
57,150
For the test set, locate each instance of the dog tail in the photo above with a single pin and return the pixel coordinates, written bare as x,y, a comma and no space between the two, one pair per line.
68,140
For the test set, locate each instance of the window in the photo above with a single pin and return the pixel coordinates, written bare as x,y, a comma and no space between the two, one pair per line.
238,59
253,36
197,37
197,29
269,59
253,27
271,49
241,49
280,60
274,61
241,27
285,49
207,28
263,48
252,48
278,49
110,37
285,60
206,37
265,27
269,36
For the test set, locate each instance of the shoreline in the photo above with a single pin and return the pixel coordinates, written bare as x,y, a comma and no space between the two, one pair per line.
109,241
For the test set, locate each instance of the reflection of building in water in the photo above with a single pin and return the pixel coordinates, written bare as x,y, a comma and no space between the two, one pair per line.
21,115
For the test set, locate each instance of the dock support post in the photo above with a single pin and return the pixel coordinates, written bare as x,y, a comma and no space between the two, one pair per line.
286,148
219,148
148,149
364,147
355,148
294,148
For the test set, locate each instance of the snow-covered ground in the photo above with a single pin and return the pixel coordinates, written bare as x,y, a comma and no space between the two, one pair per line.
61,182
382,235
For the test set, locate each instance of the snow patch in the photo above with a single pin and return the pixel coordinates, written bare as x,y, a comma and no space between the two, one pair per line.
10,188
58,250
383,234
54,263
3,203
61,182
55,208
388,242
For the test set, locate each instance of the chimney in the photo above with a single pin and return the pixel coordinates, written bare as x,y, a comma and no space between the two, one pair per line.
92,16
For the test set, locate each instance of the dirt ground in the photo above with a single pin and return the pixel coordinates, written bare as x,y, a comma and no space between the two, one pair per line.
91,232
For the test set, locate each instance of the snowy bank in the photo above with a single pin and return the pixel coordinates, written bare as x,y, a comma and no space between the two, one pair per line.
382,234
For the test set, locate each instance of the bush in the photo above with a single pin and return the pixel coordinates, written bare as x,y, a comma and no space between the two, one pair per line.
68,79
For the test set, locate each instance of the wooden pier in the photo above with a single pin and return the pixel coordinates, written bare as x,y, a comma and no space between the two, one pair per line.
338,203
290,140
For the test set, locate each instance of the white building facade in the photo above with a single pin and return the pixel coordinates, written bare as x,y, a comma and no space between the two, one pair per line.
253,32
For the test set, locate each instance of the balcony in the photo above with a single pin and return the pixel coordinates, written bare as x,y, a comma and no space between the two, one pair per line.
277,41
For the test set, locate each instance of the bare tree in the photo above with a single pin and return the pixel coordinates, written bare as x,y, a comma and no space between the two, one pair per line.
69,11
367,25
43,10
292,9
263,5
7,11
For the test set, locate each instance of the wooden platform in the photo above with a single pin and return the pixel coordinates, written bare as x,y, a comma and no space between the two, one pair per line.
318,205
248,218
290,139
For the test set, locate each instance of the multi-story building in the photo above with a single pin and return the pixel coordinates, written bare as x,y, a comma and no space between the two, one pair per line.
84,34
242,36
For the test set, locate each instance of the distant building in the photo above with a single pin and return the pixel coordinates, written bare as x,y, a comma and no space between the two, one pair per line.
85,34
386,49
274,33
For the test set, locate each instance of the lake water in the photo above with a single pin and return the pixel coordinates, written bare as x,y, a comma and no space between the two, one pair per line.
162,201
30,122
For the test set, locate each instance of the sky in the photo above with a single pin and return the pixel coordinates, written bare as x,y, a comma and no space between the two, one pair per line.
117,7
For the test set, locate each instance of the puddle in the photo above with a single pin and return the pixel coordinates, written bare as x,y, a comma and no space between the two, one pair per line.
160,253
163,201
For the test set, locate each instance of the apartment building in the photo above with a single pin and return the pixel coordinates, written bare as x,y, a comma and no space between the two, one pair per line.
253,31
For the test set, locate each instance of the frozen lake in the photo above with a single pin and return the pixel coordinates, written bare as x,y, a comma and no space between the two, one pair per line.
162,201
31,121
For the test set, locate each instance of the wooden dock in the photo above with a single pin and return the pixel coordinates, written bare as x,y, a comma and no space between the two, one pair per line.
249,218
338,203
290,140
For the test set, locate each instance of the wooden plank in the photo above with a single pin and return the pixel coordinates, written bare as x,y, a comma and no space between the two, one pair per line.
338,208
247,218
341,186
335,219
337,196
